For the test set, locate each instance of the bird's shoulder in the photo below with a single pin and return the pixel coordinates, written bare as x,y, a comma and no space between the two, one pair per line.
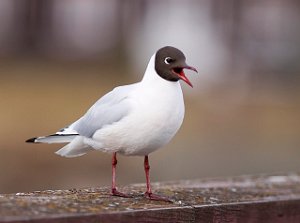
109,109
116,95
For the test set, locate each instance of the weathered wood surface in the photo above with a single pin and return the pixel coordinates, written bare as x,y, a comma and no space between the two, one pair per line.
265,198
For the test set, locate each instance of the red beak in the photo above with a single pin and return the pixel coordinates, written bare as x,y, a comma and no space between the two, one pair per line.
182,76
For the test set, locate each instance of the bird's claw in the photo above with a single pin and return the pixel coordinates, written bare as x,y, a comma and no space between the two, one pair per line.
115,192
156,197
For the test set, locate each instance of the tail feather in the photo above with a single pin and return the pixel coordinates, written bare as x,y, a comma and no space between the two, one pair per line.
55,138
74,148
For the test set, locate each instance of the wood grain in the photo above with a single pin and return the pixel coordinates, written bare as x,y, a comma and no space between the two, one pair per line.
263,198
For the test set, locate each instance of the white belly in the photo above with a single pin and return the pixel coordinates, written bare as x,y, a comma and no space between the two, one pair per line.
152,123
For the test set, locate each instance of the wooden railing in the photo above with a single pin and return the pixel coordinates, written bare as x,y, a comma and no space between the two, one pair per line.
264,198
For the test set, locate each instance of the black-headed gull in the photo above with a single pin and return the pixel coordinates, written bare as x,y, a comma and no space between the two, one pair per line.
131,120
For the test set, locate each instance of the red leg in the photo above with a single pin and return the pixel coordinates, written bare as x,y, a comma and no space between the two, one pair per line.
149,193
114,190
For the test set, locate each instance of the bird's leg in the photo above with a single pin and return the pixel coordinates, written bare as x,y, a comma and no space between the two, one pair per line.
149,193
114,190
147,169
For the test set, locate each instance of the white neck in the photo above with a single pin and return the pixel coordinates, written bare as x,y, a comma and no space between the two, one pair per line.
151,76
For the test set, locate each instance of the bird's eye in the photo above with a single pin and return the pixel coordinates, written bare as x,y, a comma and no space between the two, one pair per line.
168,60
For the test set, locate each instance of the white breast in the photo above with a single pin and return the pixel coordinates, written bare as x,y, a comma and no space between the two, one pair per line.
155,120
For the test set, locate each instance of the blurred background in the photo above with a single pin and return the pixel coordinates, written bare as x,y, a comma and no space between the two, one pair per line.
57,57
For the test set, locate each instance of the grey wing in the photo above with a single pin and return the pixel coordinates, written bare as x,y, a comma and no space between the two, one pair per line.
109,109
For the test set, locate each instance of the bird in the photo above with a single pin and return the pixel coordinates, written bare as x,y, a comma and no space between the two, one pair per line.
131,120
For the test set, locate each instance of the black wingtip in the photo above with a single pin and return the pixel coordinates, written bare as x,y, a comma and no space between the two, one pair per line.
31,140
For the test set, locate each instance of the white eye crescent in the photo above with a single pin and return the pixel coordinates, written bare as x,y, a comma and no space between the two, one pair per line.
168,60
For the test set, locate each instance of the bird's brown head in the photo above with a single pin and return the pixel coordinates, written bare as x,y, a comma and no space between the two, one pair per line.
169,64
